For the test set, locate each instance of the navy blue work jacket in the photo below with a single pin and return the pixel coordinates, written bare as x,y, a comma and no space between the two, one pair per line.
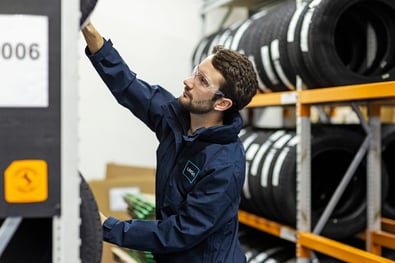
198,178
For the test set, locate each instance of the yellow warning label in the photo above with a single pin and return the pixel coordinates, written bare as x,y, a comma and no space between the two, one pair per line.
26,181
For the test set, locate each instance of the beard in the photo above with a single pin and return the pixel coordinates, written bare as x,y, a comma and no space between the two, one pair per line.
196,106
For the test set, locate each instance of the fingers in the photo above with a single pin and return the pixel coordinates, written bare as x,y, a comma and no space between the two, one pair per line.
86,23
92,37
102,217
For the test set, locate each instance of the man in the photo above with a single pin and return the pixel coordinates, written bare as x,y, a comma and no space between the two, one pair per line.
200,159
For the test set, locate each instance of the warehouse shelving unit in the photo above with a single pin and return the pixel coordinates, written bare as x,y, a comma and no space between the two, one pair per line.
253,6
379,231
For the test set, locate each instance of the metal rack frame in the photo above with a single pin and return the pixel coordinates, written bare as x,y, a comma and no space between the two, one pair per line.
66,227
380,231
373,94
66,237
309,241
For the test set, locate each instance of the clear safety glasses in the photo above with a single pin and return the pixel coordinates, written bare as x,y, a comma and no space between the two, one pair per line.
201,80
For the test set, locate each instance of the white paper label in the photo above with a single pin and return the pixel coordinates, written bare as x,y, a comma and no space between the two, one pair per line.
23,61
289,98
117,203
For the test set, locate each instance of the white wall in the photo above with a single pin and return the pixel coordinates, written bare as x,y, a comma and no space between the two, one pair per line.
156,38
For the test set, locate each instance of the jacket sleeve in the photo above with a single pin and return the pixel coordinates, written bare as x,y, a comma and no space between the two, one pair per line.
210,206
142,99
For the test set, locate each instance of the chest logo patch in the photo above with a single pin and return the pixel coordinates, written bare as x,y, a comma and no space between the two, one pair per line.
190,171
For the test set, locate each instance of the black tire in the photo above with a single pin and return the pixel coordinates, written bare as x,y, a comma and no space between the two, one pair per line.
278,48
264,190
86,8
238,34
260,51
198,52
293,46
276,177
202,49
254,173
343,144
228,40
328,22
32,241
90,229
245,202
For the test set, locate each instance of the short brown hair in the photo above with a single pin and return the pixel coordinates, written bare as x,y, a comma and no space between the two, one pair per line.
241,82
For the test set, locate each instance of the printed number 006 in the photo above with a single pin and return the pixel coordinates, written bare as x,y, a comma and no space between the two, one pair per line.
19,51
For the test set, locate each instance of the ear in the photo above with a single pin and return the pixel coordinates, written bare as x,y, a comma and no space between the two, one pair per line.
223,104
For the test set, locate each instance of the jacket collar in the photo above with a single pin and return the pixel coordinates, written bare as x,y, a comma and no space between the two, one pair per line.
179,120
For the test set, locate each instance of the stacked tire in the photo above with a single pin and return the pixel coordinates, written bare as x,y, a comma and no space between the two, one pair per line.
270,186
322,43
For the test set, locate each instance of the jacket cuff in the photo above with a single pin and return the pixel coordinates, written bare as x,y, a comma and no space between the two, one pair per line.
101,53
109,223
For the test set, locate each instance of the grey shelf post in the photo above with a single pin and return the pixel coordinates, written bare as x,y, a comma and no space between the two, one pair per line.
66,236
43,133
374,175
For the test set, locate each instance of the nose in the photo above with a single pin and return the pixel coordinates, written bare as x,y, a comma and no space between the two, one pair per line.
188,82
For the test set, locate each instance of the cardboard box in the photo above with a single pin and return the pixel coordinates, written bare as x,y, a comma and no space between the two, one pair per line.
114,170
388,114
119,180
121,256
109,193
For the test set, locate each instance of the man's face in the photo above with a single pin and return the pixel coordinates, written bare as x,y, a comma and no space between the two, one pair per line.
202,88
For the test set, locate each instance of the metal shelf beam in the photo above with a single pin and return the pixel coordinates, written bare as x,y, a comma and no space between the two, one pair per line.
338,250
362,92
322,244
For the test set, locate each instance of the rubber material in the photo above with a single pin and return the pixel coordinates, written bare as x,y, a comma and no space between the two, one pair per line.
86,8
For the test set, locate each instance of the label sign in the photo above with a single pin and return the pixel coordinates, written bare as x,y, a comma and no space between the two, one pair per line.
26,181
24,61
